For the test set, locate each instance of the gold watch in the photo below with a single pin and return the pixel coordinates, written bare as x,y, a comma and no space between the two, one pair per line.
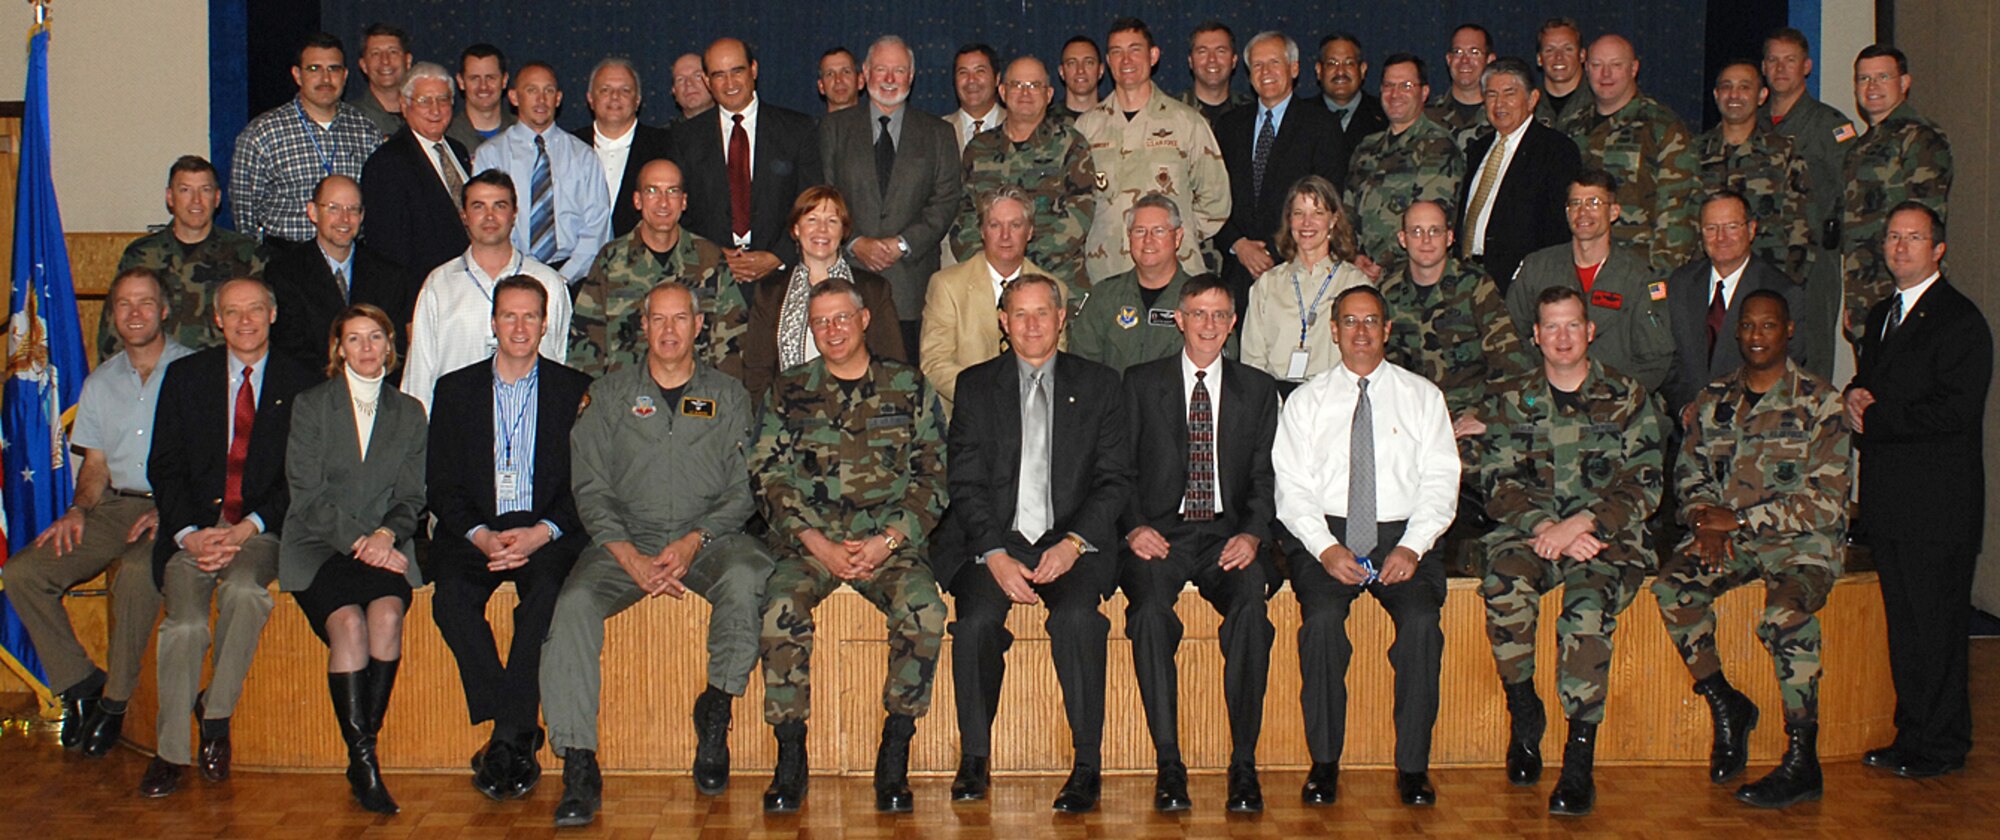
891,540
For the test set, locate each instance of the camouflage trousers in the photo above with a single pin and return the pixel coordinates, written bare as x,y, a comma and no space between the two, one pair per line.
903,589
1798,574
1594,594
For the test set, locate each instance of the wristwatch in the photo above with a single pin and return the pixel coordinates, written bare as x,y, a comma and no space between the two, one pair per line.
707,536
1082,547
891,540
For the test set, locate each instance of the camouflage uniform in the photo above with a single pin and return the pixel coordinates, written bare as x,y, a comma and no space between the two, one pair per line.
1774,177
1443,110
1237,99
850,459
1902,158
1782,465
1167,148
1645,146
1546,463
190,273
1455,334
1390,171
1053,166
1546,112
607,328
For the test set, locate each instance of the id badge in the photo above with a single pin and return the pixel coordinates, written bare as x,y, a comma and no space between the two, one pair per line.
492,343
1297,369
507,484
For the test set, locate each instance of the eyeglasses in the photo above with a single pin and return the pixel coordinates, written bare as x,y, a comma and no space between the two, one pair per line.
1725,227
1912,238
1349,322
1026,86
1213,316
1466,52
341,209
669,191
431,101
1877,79
1152,232
838,319
1404,87
1432,232
1593,202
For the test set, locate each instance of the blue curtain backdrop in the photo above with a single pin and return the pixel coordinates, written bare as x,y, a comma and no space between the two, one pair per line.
789,37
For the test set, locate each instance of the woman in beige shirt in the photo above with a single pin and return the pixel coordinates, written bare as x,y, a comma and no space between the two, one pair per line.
1288,331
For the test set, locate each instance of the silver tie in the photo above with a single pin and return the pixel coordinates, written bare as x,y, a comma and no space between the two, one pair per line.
1361,478
1031,502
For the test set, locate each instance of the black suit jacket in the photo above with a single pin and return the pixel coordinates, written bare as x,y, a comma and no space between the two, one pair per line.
1090,470
460,460
1688,293
1309,142
1368,119
189,463
1922,474
649,144
308,300
785,163
1528,202
412,219
1247,425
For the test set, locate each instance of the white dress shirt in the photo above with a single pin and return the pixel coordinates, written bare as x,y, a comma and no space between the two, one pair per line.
1911,295
1513,144
1214,383
1729,283
613,152
1416,458
965,125
453,323
1000,281
429,148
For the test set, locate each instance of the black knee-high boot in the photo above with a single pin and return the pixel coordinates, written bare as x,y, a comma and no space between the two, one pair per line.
352,708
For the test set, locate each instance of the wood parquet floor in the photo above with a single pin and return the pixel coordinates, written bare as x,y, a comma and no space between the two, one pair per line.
47,794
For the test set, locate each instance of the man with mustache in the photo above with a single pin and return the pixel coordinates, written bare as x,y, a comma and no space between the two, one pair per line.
283,153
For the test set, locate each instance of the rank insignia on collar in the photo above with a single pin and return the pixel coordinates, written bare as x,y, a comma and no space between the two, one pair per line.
643,407
1103,180
1128,317
697,407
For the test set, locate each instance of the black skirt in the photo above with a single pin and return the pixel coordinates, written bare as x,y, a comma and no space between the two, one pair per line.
344,581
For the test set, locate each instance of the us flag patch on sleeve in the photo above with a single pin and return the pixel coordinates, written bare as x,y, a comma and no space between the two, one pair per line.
1657,289
1844,133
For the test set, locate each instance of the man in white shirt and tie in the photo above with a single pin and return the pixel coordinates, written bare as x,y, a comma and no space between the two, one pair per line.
1367,481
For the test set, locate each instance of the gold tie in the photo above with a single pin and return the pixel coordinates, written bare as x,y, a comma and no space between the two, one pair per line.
1487,181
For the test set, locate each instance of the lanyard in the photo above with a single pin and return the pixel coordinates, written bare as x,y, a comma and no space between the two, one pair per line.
1307,313
509,432
513,268
312,133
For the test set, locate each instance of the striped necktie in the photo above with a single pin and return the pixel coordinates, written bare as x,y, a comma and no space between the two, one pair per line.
542,216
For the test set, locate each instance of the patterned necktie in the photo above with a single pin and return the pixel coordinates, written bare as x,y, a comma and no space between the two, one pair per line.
1487,181
452,183
1199,502
340,282
1361,477
1031,501
239,450
542,216
885,156
1261,155
1895,317
739,178
1718,308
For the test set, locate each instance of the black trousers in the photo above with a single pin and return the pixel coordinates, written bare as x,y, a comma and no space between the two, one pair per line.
1324,651
1924,586
508,694
1153,587
1077,635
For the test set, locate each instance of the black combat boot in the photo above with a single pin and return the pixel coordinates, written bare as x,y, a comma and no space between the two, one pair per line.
892,766
1524,744
1734,716
1796,778
711,746
583,789
788,781
1575,793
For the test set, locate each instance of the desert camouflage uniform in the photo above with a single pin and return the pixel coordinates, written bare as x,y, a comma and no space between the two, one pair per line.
607,328
1782,466
1455,334
1053,166
1546,463
1769,172
1646,147
1167,148
1389,172
1902,158
190,273
851,459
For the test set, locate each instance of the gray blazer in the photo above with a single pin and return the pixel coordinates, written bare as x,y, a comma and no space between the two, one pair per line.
1688,291
338,497
923,190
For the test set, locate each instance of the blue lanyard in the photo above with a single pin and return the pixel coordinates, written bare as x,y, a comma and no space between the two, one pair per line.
312,133
509,432
1305,312
513,268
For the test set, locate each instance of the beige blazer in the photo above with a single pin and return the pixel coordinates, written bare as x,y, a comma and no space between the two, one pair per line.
962,322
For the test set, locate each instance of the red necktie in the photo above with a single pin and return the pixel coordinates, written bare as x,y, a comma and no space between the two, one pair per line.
1716,308
239,450
739,178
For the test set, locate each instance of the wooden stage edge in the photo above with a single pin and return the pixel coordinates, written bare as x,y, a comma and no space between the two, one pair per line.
655,665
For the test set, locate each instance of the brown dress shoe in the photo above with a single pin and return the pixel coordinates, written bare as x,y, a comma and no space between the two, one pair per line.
162,778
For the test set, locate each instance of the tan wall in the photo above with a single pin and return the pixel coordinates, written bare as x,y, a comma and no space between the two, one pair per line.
128,93
1957,83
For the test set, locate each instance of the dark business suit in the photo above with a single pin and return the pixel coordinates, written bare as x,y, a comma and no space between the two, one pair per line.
1528,203
784,161
1368,118
308,300
1923,503
649,144
918,206
1090,475
1688,292
1246,410
412,219
462,497
1308,142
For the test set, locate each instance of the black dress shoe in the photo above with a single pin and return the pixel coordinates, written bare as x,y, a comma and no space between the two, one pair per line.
1883,758
1170,792
583,789
1922,767
1322,784
100,733
213,758
525,770
491,766
162,778
77,712
1246,796
973,779
1080,791
1415,789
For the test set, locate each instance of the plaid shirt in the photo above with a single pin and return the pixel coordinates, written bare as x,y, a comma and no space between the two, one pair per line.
281,155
